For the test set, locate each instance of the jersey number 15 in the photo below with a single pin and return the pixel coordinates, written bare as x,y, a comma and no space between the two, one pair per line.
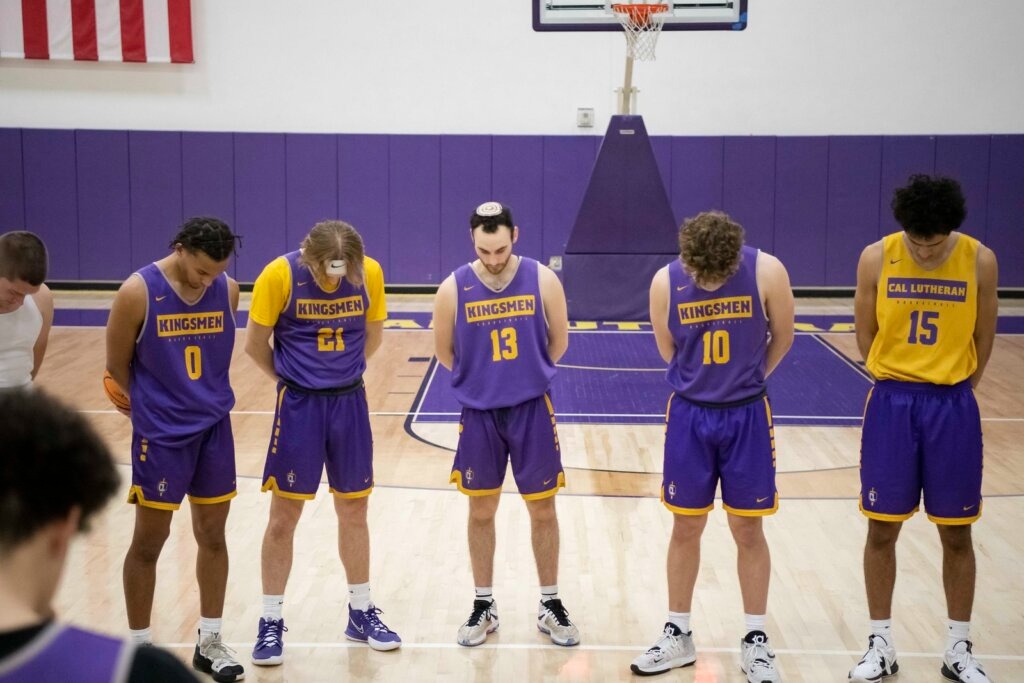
923,327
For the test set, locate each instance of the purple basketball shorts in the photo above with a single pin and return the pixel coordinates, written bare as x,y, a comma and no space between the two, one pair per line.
921,436
524,434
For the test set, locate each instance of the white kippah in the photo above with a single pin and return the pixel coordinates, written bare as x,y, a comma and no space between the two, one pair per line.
488,209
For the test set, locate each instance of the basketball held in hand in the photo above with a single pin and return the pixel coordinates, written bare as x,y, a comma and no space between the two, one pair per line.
116,395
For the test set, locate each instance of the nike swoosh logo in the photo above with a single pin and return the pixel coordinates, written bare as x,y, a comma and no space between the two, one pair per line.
895,260
679,289
366,481
761,500
356,626
466,289
302,284
161,298
967,507
546,482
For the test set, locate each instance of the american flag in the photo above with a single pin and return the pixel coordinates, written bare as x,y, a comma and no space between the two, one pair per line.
97,30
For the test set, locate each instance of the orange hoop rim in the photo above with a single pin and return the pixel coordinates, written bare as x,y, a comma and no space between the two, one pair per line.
640,14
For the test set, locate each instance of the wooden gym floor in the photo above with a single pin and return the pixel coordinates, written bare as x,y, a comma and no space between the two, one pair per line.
614,536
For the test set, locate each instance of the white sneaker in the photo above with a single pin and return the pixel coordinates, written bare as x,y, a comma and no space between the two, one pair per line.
877,663
673,649
483,621
554,620
757,659
213,657
959,664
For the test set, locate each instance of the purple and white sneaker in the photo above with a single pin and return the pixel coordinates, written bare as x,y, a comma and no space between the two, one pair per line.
365,626
269,650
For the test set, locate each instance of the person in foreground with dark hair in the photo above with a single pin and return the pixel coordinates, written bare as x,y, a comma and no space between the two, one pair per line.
925,318
169,341
26,308
44,506
722,315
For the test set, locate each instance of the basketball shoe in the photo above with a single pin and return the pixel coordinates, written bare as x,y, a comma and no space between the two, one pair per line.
674,649
365,626
877,663
553,619
757,659
482,622
959,664
269,650
213,657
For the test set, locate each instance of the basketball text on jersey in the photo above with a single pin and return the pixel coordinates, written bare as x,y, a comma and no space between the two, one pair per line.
180,324
926,288
693,312
320,309
495,309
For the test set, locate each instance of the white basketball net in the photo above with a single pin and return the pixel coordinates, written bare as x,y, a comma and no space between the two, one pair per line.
641,25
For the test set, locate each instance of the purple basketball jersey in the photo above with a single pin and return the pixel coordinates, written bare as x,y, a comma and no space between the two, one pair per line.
65,653
721,336
179,375
501,340
320,337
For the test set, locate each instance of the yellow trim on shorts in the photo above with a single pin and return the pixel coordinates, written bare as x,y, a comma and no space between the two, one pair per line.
768,411
551,408
271,485
878,516
136,497
456,479
354,494
541,495
754,513
212,501
956,521
691,512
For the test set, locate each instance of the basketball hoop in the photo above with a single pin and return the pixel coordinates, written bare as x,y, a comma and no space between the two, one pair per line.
641,25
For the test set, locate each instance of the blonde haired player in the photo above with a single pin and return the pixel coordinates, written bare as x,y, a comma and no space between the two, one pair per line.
925,310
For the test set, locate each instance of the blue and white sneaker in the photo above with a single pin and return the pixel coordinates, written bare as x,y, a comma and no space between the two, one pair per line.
365,626
269,650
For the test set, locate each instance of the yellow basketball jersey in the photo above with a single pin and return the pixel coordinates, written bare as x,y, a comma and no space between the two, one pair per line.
926,317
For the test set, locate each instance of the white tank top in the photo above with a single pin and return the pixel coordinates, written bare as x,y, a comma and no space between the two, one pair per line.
19,330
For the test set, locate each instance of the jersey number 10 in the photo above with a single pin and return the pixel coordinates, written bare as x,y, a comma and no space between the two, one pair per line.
716,347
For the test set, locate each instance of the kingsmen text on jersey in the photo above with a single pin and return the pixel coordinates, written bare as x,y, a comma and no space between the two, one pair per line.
501,340
179,375
320,337
926,318
721,337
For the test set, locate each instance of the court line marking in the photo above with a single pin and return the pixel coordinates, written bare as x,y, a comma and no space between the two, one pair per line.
652,416
592,648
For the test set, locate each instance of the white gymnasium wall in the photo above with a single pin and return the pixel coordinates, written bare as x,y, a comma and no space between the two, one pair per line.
803,67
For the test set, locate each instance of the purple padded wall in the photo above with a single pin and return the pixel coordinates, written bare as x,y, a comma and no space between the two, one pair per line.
749,188
697,171
966,158
1006,208
104,210
363,193
156,196
610,286
208,179
801,207
902,156
567,165
517,179
465,184
51,198
662,146
414,208
853,190
12,182
311,183
260,201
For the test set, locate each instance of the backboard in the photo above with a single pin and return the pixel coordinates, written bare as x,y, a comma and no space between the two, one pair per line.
591,15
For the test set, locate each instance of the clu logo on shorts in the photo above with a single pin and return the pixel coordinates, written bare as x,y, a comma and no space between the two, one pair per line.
872,496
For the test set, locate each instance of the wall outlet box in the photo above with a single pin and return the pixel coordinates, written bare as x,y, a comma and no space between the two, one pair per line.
555,263
585,117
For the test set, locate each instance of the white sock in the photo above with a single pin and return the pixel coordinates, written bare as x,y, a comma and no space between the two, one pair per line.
957,631
273,606
883,627
208,627
359,596
140,636
755,622
548,593
485,593
680,619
